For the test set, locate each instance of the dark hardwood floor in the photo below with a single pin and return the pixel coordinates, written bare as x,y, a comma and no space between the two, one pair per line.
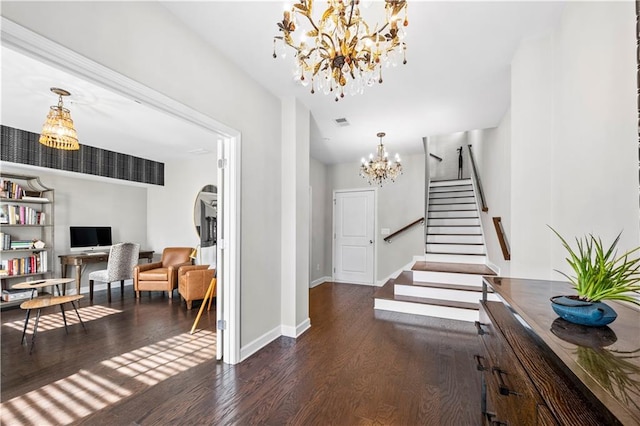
137,364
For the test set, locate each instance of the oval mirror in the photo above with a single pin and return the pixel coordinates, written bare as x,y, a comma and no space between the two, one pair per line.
205,215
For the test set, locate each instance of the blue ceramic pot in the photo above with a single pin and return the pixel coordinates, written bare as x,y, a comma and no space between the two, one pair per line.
595,314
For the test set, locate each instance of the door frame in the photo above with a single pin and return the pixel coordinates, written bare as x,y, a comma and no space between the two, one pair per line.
27,42
375,236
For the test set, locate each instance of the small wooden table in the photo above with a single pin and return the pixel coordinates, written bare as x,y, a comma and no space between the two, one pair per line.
52,282
46,301
80,259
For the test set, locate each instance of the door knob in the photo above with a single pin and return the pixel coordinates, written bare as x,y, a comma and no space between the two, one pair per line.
370,241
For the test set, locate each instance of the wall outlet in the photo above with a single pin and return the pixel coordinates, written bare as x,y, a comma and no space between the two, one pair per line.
385,231
318,267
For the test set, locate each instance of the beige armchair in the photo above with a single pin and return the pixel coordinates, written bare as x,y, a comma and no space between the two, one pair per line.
193,282
163,275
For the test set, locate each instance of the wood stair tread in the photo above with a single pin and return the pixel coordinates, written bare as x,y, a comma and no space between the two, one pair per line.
386,292
456,253
406,278
455,243
462,268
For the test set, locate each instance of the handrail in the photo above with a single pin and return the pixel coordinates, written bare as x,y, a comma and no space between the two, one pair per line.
436,157
497,222
401,230
477,179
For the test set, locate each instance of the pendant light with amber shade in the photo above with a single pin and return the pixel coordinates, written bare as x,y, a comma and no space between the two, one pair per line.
58,131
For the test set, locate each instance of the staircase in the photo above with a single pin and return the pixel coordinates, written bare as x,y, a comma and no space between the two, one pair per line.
448,283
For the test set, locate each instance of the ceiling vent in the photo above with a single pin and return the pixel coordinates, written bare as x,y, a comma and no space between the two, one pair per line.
342,122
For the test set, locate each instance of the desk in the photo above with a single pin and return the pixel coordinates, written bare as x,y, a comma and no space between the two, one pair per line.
78,260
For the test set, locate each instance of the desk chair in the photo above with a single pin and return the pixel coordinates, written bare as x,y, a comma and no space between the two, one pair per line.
123,257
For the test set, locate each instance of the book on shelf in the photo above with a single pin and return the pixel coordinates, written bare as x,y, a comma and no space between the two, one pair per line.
36,263
5,241
4,214
23,215
21,244
11,189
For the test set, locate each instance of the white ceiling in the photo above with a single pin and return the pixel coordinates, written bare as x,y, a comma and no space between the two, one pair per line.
456,78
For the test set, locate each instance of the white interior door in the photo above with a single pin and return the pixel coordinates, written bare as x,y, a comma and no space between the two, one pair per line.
354,230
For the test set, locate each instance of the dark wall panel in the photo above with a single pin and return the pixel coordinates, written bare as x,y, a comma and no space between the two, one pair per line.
19,146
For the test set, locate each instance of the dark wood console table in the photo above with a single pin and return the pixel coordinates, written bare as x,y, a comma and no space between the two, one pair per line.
540,369
78,260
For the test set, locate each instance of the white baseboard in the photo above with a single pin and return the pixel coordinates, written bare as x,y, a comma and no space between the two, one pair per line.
319,281
97,286
271,335
395,274
295,332
259,343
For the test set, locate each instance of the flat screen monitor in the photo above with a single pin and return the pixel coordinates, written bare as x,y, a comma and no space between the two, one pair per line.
90,238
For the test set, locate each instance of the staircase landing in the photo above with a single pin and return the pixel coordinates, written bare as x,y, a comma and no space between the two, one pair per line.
458,268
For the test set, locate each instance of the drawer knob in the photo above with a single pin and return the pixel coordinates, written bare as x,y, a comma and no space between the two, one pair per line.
479,328
502,387
479,365
490,418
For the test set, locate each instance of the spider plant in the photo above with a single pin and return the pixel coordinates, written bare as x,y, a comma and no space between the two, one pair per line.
601,274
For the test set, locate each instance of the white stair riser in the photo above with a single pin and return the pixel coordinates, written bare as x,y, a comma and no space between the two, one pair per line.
455,248
461,239
442,293
452,221
447,278
452,200
444,194
446,214
449,189
455,258
433,184
453,230
426,310
446,207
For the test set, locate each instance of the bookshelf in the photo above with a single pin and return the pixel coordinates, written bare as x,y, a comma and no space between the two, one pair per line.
26,231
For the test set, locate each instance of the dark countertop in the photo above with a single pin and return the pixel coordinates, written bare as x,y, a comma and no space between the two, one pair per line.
605,359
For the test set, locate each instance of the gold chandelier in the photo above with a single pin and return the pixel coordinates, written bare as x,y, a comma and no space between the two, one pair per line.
58,131
341,49
379,169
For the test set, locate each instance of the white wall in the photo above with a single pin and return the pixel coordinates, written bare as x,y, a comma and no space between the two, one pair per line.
137,39
399,204
320,265
574,143
295,218
82,200
171,206
596,127
495,172
446,147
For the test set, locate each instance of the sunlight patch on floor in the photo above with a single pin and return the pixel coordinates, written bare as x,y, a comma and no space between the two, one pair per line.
54,321
87,391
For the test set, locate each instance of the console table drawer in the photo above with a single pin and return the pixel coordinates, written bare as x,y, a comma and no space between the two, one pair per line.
511,393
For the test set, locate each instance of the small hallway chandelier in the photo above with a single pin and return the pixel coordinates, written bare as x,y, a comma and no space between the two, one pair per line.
341,51
58,131
379,169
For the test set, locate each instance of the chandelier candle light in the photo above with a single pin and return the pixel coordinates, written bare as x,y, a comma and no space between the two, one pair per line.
341,51
377,170
58,131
